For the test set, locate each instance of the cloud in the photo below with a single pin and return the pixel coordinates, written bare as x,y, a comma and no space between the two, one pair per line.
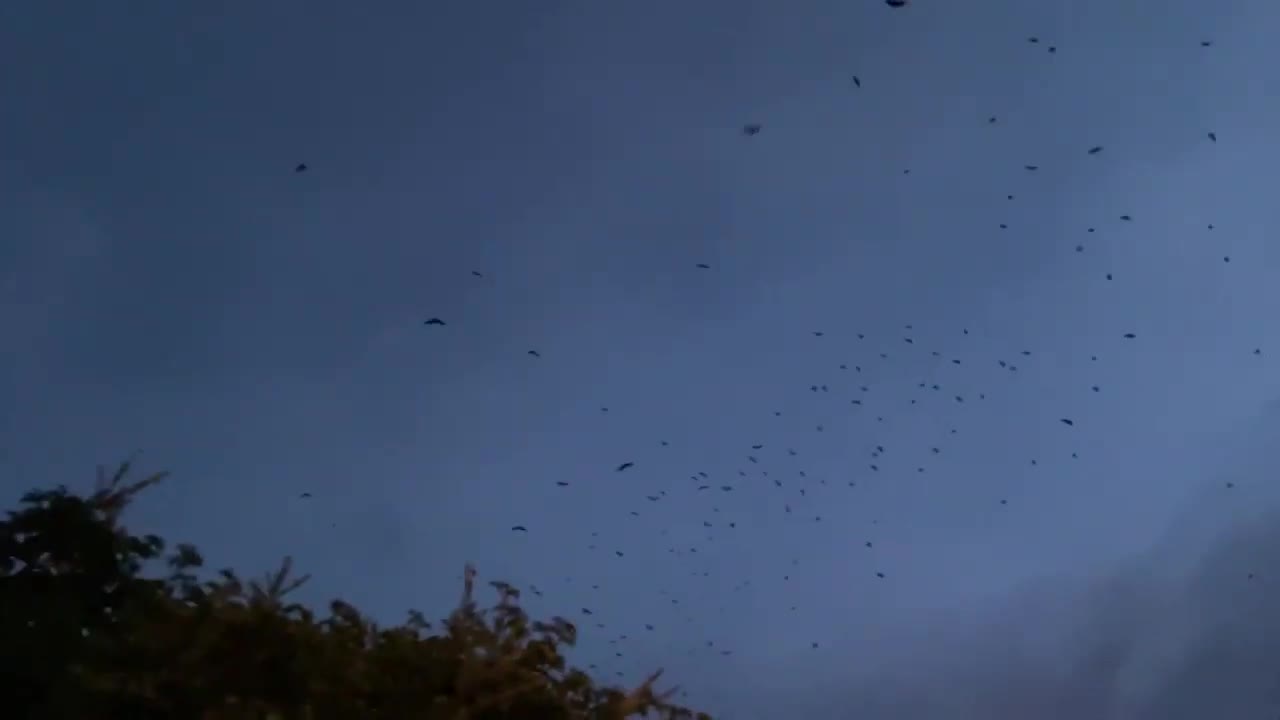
1142,643
1185,630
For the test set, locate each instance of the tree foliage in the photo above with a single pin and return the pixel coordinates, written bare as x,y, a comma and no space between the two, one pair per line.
86,632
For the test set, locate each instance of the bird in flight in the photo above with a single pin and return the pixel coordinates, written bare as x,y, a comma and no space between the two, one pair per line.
896,3
856,81
752,129
302,167
519,528
625,465
434,321
704,266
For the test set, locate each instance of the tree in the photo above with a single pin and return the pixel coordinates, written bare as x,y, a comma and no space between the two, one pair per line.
85,633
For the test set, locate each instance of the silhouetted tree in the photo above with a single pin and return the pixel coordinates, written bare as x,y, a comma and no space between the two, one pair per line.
84,633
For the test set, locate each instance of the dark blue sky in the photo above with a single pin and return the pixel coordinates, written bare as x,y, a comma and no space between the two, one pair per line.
170,285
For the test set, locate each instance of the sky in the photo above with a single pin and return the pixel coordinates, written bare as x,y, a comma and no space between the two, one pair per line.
169,285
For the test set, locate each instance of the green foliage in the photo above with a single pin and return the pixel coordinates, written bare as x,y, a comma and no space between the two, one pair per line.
85,634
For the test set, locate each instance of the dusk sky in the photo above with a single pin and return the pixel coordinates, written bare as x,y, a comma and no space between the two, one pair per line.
170,285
